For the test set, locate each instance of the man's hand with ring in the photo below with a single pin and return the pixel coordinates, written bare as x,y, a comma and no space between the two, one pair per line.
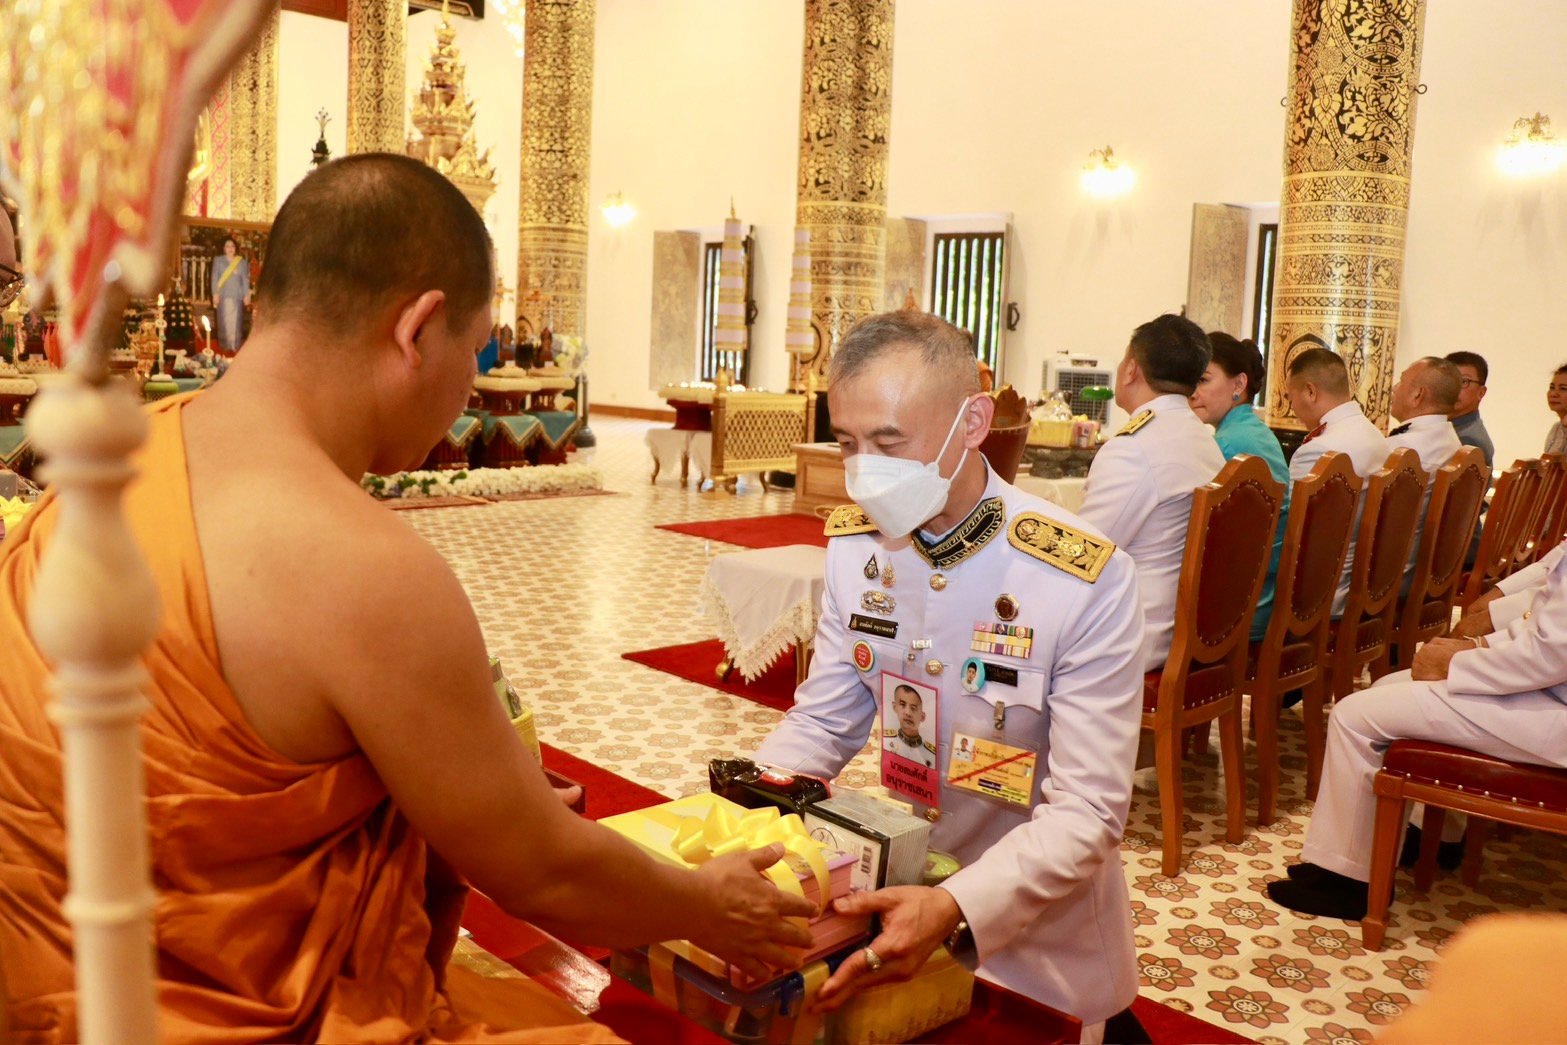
914,922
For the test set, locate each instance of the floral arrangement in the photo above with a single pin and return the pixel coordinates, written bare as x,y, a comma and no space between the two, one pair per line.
570,353
485,482
11,511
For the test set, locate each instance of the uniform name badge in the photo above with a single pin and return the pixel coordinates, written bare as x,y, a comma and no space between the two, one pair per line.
998,767
908,749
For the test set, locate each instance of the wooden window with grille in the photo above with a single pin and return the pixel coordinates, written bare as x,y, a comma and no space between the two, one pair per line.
967,282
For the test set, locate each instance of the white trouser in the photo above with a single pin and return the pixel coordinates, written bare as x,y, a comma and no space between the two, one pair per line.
1362,726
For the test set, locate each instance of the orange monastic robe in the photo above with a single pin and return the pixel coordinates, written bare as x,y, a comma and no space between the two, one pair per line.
295,903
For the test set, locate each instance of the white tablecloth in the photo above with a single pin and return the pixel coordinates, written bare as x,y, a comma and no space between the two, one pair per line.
1068,493
764,601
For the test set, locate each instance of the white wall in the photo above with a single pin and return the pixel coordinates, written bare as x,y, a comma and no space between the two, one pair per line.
996,104
312,75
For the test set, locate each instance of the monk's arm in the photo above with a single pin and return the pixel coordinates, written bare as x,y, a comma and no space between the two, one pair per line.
412,684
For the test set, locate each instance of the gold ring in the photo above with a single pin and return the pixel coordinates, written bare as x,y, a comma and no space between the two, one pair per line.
872,960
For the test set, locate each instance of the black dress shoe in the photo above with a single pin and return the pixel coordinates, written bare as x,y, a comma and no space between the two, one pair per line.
1449,855
1325,893
1305,872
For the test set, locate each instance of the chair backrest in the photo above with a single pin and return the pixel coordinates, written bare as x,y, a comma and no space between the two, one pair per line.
1537,539
1492,557
1456,494
1527,503
1555,523
1387,528
1316,539
1008,436
1229,540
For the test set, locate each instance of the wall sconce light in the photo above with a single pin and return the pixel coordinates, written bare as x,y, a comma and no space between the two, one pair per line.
1105,177
1531,150
617,211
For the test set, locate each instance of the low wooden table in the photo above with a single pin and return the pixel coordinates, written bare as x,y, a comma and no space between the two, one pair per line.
818,477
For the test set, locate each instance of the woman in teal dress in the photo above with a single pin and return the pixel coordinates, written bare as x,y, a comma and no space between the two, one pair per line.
1223,399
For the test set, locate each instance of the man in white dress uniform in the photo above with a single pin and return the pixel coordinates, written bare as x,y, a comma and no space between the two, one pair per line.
938,562
1318,392
1504,695
1140,486
1423,396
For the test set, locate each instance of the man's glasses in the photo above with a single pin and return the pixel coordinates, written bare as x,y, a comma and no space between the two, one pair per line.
1467,381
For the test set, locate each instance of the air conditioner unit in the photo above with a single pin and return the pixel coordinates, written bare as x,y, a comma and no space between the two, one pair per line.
1069,375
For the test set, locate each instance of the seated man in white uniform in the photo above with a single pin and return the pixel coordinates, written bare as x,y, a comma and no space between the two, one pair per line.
1423,396
941,561
1141,483
1504,695
1319,393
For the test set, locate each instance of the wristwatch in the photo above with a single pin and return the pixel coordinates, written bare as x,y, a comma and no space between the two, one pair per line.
961,941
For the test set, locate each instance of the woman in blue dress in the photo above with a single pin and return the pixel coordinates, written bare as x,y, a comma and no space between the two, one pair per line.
230,296
1223,399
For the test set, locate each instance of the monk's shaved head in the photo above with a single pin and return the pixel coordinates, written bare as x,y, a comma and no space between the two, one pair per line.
947,353
367,232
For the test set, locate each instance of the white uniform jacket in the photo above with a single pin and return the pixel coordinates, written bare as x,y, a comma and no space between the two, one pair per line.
1522,588
1042,889
1433,437
1139,495
1347,431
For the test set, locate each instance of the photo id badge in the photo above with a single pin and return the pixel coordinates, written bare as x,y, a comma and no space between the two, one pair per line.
996,767
908,739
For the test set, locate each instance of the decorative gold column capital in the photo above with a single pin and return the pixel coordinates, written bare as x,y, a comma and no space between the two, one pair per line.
377,46
253,128
1355,73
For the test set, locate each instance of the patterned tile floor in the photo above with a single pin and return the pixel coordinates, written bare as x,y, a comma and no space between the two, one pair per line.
563,587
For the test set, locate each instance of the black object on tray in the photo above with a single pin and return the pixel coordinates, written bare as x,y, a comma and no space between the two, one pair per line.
747,784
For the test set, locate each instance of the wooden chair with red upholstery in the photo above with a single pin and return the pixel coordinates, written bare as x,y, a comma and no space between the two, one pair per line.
1499,535
1445,778
1293,654
1426,611
1532,492
1229,540
1387,528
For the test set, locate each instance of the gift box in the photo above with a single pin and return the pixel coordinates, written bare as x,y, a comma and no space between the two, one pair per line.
939,993
888,842
691,831
776,1012
745,783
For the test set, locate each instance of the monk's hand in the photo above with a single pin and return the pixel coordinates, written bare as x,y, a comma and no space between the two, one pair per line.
745,918
1432,660
568,795
915,920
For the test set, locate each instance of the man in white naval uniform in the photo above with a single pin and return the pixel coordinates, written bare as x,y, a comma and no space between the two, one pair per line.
1512,597
1424,394
1140,486
1041,904
1504,695
1318,391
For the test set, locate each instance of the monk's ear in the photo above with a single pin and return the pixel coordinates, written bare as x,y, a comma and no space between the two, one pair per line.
411,321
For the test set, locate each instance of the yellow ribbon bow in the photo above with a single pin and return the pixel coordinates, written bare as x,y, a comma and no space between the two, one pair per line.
723,832
11,511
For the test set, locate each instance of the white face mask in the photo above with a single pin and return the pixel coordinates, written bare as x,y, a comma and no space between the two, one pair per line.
897,493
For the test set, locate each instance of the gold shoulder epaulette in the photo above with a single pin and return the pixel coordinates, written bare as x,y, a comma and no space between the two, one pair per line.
1062,547
889,732
1141,418
847,519
930,747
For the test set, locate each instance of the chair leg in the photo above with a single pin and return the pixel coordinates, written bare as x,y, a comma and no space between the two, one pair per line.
1315,710
1430,837
1233,748
1198,738
1382,664
1167,757
1384,855
1474,850
1265,731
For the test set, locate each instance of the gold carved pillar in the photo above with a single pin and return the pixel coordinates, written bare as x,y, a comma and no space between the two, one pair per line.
1354,76
377,46
557,110
252,160
845,117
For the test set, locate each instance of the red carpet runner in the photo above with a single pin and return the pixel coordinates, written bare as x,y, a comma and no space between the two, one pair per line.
697,662
758,531
635,1016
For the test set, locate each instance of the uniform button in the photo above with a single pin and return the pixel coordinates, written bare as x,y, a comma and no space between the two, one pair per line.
938,581
934,667
933,815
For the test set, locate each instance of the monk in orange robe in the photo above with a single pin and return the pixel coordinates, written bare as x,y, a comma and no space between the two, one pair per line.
326,761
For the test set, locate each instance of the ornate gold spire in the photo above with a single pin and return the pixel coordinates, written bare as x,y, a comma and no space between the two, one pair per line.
443,116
